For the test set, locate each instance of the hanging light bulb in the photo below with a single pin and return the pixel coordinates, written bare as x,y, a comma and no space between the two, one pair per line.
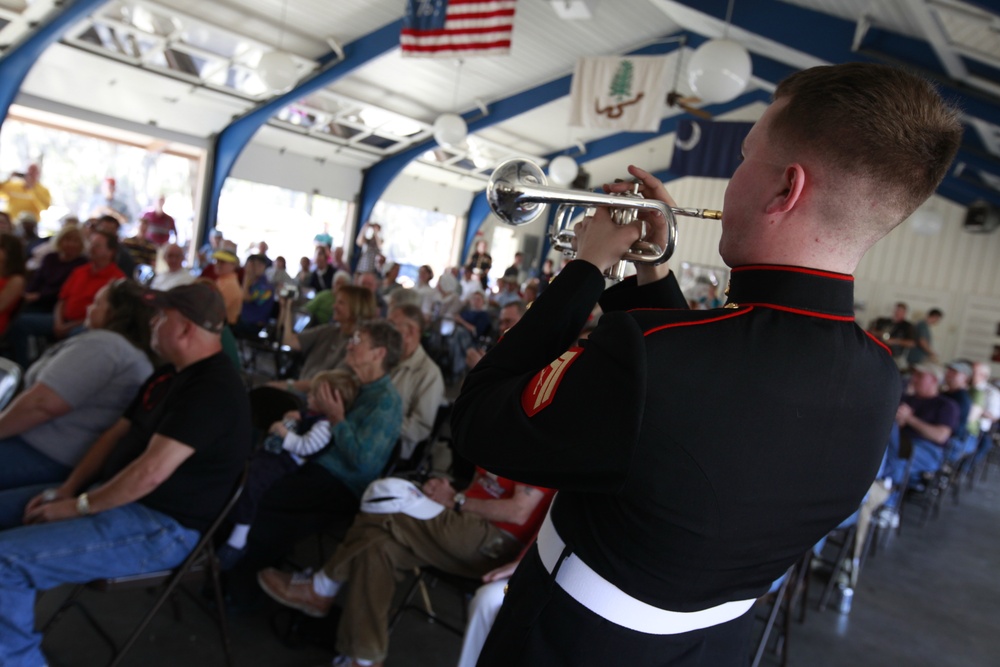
563,170
278,70
450,129
719,70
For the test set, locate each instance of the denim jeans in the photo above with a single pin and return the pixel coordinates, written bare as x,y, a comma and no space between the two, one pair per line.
24,465
131,539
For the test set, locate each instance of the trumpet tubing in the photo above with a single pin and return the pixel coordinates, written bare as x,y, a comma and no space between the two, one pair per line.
517,193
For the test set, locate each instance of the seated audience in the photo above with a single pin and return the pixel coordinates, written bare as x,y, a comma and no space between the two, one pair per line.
467,534
215,241
428,295
508,292
390,281
371,280
509,316
530,291
469,283
957,375
338,262
12,280
927,419
76,294
176,273
305,273
989,398
472,324
142,496
320,307
258,298
77,389
27,231
322,278
328,487
290,443
143,250
228,282
324,347
109,224
42,291
448,302
417,379
277,273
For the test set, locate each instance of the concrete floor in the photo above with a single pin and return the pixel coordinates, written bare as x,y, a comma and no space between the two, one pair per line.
931,597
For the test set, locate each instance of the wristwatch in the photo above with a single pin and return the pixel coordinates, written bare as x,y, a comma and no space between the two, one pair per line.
83,504
459,500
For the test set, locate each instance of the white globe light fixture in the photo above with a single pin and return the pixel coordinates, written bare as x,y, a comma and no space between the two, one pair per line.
278,70
450,129
719,70
563,170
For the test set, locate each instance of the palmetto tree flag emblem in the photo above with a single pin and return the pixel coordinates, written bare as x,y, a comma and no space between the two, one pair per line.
627,94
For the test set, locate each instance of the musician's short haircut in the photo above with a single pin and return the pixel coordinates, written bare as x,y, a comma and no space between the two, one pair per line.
874,124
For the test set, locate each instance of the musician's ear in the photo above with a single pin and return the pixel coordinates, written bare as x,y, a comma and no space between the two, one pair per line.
794,178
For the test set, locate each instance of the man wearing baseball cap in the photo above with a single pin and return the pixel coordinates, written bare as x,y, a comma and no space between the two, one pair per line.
151,484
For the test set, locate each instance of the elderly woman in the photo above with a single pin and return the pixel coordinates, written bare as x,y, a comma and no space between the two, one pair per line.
11,277
77,390
324,347
43,288
328,488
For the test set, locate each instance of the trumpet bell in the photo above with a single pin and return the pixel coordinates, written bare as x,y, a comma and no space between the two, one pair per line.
504,192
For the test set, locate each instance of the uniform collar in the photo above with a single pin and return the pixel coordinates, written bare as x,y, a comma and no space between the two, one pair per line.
793,288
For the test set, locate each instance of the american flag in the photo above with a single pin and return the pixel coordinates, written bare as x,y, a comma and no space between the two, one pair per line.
449,28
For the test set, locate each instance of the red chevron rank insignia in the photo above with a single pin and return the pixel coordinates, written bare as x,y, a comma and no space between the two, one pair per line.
542,389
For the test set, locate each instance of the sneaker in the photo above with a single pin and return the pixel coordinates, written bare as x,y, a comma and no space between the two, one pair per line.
295,591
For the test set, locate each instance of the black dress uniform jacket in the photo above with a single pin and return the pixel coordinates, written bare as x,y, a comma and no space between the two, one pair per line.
698,454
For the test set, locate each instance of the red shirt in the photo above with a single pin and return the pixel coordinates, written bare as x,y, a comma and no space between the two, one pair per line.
81,287
487,486
160,226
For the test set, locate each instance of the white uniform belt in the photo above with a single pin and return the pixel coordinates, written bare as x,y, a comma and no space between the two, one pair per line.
611,603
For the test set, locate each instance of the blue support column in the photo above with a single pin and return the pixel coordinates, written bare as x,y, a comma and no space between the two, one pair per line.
231,141
17,61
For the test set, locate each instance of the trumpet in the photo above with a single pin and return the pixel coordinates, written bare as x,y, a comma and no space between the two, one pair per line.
517,193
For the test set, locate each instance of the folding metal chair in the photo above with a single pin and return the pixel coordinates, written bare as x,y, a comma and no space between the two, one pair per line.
200,562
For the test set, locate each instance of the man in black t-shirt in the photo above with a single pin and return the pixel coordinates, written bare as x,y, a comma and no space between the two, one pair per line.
163,472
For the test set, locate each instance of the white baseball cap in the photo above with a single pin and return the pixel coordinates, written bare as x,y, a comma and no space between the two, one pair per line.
394,494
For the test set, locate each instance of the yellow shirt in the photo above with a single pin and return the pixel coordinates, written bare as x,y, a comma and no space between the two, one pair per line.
232,296
20,198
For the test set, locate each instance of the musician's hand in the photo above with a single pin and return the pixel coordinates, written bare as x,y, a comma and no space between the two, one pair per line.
650,187
602,242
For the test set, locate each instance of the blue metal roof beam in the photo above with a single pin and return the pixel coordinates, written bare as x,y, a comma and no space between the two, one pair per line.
379,176
830,38
233,139
19,58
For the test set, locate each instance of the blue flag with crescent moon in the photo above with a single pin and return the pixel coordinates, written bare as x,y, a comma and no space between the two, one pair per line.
708,148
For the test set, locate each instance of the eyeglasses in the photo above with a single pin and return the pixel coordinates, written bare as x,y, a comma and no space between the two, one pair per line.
355,338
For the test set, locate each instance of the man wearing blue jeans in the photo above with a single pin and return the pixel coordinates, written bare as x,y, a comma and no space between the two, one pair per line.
163,472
